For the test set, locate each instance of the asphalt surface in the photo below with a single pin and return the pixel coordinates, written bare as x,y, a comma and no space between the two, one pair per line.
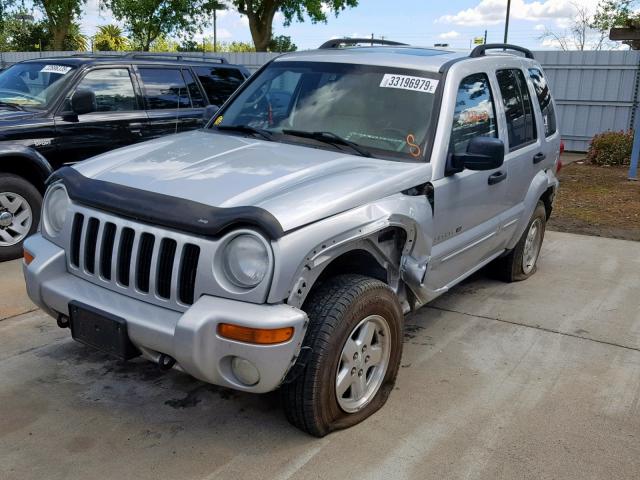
539,380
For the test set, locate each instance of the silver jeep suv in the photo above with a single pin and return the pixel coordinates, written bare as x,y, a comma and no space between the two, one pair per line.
280,247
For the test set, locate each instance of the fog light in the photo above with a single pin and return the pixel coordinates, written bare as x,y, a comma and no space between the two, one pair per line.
245,371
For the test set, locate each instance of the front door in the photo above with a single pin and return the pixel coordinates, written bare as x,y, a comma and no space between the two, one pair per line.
467,204
118,119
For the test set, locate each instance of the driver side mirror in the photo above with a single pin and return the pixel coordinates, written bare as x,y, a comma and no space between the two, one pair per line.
209,112
83,101
483,153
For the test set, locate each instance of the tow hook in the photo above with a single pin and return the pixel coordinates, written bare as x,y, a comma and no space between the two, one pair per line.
62,321
166,362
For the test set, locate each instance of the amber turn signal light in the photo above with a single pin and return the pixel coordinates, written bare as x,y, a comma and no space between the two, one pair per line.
28,257
260,336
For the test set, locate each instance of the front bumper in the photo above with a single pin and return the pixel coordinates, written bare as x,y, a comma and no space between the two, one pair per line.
190,337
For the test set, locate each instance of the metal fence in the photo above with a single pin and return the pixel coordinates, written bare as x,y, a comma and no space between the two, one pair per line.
594,91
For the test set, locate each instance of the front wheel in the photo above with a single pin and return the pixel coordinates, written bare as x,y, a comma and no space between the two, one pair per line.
355,337
20,204
521,262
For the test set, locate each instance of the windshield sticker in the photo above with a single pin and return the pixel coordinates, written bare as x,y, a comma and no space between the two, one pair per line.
406,82
414,149
61,69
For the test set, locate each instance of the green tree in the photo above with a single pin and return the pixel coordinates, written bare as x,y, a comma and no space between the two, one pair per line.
261,13
282,43
60,15
163,44
190,46
149,20
75,39
110,38
24,35
617,13
237,47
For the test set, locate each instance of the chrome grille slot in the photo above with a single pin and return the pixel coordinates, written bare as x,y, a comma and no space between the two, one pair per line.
106,254
76,235
187,275
125,252
166,258
143,269
138,260
91,239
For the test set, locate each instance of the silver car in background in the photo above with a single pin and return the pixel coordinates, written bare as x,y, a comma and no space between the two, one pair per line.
281,246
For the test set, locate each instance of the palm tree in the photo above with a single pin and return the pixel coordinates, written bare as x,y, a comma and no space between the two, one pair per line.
74,39
110,38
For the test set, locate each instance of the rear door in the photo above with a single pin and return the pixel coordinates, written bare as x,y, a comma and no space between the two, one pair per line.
525,150
118,120
171,99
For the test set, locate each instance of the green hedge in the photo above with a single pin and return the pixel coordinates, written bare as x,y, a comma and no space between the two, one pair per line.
611,148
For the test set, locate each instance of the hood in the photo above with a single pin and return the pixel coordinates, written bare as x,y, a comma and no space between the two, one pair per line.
296,184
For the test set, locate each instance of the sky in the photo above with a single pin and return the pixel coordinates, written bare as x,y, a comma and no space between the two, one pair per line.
419,22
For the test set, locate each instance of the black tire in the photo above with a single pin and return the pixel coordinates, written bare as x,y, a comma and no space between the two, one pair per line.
334,310
509,268
15,184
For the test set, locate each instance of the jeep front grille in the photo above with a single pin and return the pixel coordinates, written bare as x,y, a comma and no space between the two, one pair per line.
135,259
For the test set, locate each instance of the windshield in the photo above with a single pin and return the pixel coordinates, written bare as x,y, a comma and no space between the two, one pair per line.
386,111
32,85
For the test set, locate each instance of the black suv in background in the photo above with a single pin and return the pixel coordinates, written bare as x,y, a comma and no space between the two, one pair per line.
58,111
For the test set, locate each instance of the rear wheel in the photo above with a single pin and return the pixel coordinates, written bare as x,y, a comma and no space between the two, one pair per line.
521,262
20,204
355,337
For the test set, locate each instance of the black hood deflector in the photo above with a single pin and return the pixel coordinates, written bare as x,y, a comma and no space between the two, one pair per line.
164,210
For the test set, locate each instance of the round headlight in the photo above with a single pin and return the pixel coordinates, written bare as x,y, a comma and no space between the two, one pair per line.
245,261
56,204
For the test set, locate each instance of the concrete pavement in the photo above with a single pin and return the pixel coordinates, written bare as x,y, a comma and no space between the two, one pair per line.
538,379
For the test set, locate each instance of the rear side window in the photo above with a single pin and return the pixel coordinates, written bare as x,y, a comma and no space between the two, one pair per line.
474,115
521,124
544,99
112,87
219,83
197,100
164,88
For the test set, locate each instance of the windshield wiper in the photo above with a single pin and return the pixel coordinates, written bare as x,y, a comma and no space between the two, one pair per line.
14,106
331,138
267,135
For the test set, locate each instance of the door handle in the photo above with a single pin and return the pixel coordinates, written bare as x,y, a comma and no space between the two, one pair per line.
538,157
497,177
135,128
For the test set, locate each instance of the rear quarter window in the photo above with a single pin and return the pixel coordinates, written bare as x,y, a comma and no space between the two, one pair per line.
219,82
544,100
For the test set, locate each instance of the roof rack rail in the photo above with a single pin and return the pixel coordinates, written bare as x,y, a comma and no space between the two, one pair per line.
480,50
96,54
351,42
194,56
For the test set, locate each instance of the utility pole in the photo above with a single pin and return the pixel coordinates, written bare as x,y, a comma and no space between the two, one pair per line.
506,22
372,39
485,37
215,31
